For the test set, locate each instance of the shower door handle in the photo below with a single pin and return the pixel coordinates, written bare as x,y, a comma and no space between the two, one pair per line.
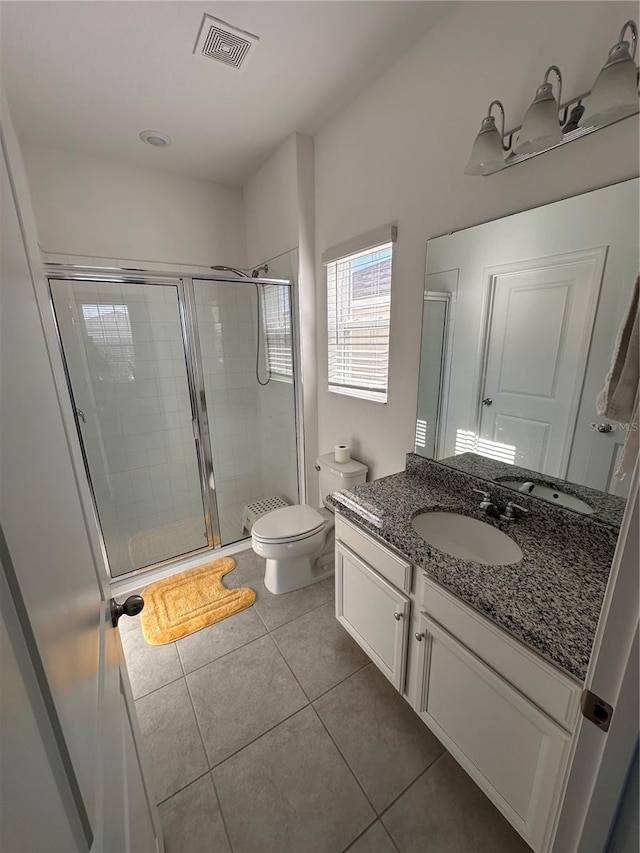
81,416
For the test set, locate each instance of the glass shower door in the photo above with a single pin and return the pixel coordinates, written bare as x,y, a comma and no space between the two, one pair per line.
247,362
125,359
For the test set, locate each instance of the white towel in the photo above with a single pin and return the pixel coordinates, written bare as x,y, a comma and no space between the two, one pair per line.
618,399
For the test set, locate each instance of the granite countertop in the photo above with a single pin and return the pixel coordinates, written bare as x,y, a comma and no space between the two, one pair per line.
550,600
607,508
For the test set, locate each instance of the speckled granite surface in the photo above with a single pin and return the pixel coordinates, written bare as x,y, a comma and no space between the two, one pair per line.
550,600
606,508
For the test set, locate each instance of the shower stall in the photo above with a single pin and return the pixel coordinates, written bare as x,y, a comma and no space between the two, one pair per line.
185,393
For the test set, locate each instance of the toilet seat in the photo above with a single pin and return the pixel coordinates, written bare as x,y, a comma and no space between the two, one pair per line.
289,524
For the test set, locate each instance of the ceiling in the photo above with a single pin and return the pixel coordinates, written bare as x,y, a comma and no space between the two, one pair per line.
90,76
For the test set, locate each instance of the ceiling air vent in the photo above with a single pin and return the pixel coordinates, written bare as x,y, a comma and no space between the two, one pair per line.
224,43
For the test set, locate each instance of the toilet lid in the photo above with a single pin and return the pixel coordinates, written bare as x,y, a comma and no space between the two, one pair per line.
290,522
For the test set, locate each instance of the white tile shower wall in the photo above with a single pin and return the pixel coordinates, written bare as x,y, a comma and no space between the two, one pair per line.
278,441
276,414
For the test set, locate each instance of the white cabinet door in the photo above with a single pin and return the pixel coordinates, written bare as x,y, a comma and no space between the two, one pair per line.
513,751
374,613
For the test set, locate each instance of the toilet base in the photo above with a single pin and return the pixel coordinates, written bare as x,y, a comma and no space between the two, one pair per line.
286,576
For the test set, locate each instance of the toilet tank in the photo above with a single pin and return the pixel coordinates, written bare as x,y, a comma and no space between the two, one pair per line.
337,476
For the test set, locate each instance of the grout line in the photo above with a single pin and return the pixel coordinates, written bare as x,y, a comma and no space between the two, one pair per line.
329,735
364,832
413,782
294,676
253,740
206,756
222,817
311,701
195,716
358,837
231,651
226,654
389,836
342,681
262,734
293,619
184,673
183,788
155,689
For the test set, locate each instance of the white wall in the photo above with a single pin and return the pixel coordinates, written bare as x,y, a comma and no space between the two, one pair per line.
397,153
88,206
271,205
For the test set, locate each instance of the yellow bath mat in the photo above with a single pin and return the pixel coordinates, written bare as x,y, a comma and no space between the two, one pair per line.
187,602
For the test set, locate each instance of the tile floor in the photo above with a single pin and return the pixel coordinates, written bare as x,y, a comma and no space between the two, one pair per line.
271,732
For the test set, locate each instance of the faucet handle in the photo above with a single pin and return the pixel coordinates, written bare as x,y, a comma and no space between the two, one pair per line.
485,495
510,513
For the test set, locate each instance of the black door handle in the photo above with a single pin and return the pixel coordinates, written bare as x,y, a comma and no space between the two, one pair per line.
131,607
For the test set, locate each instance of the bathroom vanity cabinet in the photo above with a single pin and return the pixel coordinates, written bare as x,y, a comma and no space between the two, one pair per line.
369,603
504,713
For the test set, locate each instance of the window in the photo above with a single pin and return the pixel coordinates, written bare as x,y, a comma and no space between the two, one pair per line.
276,308
358,316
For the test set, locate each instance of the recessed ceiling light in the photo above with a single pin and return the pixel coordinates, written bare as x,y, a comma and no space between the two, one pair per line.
155,138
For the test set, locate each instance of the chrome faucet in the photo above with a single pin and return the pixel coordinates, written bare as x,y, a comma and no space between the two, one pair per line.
487,504
512,512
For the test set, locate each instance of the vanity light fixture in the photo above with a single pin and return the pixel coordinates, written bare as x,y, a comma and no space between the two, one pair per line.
487,154
541,126
615,92
548,123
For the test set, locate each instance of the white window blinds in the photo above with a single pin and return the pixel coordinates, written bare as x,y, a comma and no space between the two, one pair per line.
276,309
358,316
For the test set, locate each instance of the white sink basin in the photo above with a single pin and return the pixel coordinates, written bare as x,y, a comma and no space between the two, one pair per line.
554,496
467,538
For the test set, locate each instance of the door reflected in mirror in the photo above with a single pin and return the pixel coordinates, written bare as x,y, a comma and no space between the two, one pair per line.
520,319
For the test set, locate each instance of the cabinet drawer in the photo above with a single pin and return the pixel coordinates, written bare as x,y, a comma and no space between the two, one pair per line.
515,753
391,567
556,694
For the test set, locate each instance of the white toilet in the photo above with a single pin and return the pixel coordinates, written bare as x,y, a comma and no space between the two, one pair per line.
298,541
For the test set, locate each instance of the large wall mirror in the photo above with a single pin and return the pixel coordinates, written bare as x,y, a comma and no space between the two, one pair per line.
520,320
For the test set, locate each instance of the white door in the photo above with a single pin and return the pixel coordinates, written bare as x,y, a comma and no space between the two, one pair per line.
54,568
601,757
538,341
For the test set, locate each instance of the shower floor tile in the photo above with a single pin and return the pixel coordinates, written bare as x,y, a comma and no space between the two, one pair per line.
354,770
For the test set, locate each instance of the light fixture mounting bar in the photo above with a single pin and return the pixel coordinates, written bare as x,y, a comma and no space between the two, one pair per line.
565,109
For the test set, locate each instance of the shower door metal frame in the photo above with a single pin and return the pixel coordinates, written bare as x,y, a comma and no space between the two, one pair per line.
295,358
116,275
200,414
195,379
